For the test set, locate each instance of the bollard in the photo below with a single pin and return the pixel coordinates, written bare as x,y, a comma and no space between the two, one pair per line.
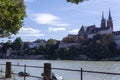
81,74
47,72
24,72
8,70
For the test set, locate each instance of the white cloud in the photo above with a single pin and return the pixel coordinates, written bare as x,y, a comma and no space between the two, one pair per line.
27,32
49,19
54,29
74,31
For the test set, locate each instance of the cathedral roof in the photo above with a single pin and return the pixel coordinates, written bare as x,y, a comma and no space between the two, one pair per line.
86,29
95,30
81,29
89,28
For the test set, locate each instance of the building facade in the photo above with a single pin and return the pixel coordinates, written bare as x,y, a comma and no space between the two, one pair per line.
106,27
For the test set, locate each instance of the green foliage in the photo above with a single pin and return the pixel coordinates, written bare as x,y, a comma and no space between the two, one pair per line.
17,43
12,13
97,37
31,51
72,39
106,39
62,53
26,45
100,47
5,47
51,41
75,1
41,50
50,50
73,53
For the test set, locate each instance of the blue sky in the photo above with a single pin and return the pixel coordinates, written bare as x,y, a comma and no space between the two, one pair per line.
57,18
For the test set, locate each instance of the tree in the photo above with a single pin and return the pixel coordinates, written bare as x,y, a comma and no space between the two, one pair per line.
70,39
51,46
5,47
108,38
72,53
100,47
17,43
41,50
51,41
62,53
80,38
26,45
97,37
75,1
12,13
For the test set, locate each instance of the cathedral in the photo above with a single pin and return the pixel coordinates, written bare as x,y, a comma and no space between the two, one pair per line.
106,27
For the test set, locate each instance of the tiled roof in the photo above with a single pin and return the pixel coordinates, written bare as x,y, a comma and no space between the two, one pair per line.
86,29
95,30
90,28
81,30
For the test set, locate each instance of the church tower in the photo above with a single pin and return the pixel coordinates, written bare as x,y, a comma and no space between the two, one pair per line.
109,21
103,21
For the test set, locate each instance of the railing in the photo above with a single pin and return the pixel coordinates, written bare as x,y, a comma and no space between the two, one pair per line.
8,71
47,71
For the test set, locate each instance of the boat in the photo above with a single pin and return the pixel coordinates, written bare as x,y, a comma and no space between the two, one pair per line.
23,74
54,76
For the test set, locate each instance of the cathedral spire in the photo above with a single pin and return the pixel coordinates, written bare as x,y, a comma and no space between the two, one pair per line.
103,21
102,15
109,21
109,17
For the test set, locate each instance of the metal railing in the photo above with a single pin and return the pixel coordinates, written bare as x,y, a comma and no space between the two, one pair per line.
8,72
47,71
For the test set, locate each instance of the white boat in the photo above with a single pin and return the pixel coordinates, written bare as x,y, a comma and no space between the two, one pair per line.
55,77
23,74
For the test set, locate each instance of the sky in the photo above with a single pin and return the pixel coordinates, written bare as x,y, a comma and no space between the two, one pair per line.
57,18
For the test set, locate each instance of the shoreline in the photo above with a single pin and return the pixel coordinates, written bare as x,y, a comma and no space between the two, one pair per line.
57,60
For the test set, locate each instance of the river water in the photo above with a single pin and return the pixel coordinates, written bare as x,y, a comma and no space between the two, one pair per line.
105,66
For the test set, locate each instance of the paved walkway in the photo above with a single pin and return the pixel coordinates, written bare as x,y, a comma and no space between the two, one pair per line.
5,79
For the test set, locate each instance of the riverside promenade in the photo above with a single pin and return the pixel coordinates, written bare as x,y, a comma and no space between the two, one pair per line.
47,70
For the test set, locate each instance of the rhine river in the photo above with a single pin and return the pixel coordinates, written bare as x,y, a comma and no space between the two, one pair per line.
105,66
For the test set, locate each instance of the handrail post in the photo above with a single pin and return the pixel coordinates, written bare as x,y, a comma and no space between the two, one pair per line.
24,71
8,70
81,74
47,75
